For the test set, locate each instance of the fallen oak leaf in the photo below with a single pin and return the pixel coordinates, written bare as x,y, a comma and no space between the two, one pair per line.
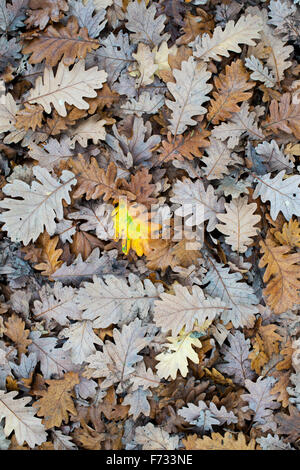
39,15
56,401
182,147
282,275
218,442
94,182
50,254
232,88
66,43
15,330
29,118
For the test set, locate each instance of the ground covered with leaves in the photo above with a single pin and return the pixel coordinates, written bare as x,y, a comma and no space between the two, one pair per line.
182,333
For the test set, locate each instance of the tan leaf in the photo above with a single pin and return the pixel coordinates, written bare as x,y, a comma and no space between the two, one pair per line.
50,255
66,43
15,330
30,117
218,442
284,116
282,275
94,182
231,89
67,86
239,223
183,146
290,234
56,402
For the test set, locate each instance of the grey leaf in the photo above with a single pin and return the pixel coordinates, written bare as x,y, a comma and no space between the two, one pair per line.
86,18
236,357
53,361
116,362
114,55
112,300
95,264
138,402
135,147
26,366
142,22
236,295
12,14
260,401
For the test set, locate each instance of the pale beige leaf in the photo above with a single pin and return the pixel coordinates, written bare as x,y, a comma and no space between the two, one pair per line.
67,86
244,31
20,419
91,128
239,223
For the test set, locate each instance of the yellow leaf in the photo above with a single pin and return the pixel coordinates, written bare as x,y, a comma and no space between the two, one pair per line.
177,354
217,377
132,226
161,55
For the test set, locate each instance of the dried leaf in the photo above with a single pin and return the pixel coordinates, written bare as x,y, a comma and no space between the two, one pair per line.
56,401
66,43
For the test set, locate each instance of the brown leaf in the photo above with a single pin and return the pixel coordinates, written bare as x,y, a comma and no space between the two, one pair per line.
195,25
15,446
105,97
32,253
231,89
183,146
281,387
287,352
140,186
284,116
289,425
84,243
39,14
56,401
88,438
217,377
94,182
30,118
282,275
165,253
50,254
66,43
56,124
15,330
266,344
